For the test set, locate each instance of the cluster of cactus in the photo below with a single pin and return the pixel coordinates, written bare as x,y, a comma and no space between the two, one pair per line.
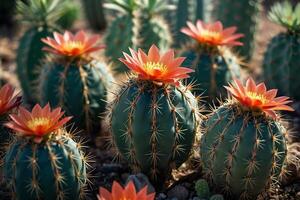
203,191
245,15
94,13
42,17
139,25
151,129
281,60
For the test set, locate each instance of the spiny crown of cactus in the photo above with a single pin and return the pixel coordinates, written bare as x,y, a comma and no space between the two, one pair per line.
42,12
153,7
8,99
72,45
38,125
283,13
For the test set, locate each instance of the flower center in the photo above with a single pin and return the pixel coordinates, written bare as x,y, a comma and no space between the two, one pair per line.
38,122
211,36
155,68
257,97
73,45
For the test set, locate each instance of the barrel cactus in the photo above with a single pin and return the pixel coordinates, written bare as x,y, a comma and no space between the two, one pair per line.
94,13
211,58
245,15
281,61
43,162
243,149
41,17
139,25
74,80
9,100
153,117
202,189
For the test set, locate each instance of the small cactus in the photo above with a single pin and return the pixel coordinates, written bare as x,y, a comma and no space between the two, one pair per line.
74,81
243,149
216,197
202,189
153,117
43,162
281,60
211,57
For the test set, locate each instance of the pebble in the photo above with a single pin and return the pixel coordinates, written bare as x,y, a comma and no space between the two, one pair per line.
180,192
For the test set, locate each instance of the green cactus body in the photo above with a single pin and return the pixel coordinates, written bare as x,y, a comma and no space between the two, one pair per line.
242,153
94,13
281,61
29,58
202,189
153,126
213,68
217,197
243,14
139,25
54,169
80,89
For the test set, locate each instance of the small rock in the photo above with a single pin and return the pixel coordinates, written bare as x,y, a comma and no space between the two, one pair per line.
179,192
298,195
161,196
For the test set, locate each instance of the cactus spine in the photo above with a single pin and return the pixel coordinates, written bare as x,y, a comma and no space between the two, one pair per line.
243,14
281,61
214,67
54,169
241,153
153,126
94,13
80,87
139,25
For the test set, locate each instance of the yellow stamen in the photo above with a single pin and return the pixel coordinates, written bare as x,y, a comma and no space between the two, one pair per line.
70,45
211,35
256,96
151,67
38,122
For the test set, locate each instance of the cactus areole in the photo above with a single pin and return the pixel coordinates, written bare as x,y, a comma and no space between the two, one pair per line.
243,149
43,162
75,81
153,117
211,57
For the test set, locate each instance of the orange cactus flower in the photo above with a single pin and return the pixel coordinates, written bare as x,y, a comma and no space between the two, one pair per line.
8,99
213,33
38,123
162,68
72,45
258,98
128,193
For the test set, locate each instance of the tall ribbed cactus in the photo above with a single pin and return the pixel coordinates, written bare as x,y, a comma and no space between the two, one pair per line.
43,162
138,25
41,17
211,58
245,15
243,148
281,61
75,81
94,13
154,120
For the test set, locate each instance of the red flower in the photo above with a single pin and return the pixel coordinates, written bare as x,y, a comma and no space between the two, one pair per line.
257,97
8,99
157,67
72,45
128,193
213,34
38,123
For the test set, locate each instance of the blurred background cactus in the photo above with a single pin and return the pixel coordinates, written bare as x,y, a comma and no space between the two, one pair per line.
94,13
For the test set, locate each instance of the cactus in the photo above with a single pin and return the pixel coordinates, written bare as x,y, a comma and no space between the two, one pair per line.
214,63
41,15
243,148
202,189
69,14
245,15
79,85
154,121
216,197
139,25
94,13
281,61
43,162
